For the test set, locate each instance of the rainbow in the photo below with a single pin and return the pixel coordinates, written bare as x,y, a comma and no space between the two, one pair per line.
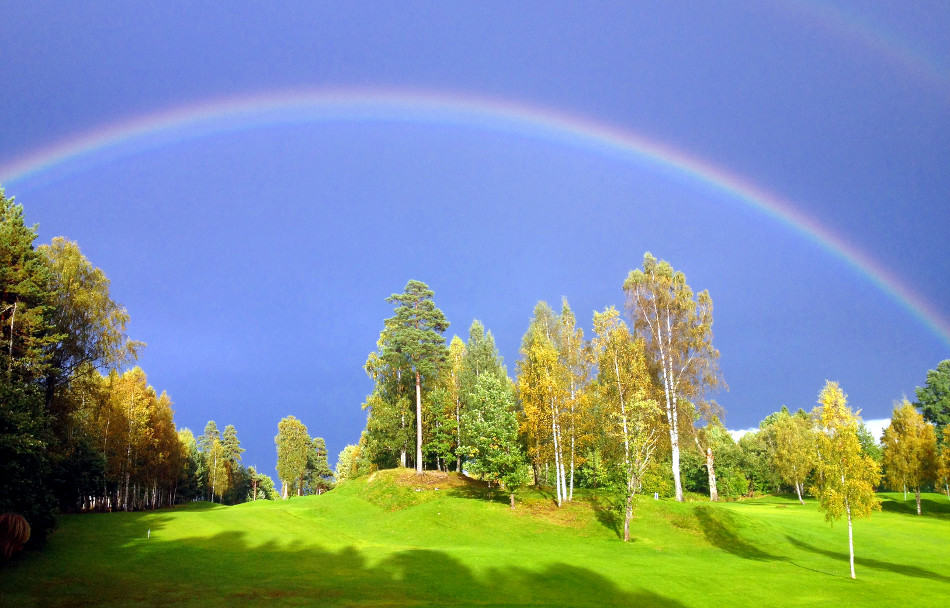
858,29
306,106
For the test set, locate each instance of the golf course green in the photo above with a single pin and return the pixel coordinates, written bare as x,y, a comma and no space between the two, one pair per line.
392,539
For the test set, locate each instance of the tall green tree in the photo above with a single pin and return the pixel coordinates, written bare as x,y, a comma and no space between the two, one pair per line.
413,337
293,445
319,476
231,453
26,298
206,443
492,449
910,449
89,324
479,356
677,328
933,398
845,476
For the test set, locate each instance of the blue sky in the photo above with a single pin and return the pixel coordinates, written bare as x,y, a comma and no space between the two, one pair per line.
254,259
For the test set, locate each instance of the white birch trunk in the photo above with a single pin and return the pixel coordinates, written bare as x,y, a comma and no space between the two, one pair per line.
917,496
711,471
847,508
458,440
418,425
798,489
570,495
557,464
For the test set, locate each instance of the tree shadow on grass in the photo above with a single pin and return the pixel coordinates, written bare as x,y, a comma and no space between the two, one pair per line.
608,513
876,564
929,508
720,529
233,569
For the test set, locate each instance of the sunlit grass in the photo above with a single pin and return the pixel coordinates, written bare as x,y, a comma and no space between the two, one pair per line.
396,541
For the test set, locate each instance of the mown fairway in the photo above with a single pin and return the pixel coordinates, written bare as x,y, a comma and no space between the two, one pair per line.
378,543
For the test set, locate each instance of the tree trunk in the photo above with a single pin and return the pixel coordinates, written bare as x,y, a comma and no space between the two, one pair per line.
905,492
711,471
10,360
917,496
946,487
798,489
570,495
418,425
511,499
628,511
557,462
850,537
458,440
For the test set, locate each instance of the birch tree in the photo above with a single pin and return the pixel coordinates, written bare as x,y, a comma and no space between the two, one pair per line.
793,453
625,385
676,326
576,359
541,390
943,462
845,476
910,449
454,392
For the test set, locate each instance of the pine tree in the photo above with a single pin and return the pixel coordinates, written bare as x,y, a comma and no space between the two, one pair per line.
412,338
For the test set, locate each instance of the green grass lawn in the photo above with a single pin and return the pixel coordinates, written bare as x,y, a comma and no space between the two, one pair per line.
380,542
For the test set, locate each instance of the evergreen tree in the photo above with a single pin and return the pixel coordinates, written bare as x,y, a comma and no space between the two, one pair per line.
492,449
933,399
412,339
319,477
293,444
231,451
206,443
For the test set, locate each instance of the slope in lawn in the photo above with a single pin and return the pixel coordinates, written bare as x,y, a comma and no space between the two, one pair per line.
395,540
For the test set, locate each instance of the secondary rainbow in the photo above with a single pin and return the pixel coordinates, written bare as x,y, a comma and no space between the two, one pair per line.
306,106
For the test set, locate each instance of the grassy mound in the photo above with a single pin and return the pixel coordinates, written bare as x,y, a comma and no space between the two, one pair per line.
394,539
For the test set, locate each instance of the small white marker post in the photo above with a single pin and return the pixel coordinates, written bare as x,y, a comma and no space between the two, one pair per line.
148,536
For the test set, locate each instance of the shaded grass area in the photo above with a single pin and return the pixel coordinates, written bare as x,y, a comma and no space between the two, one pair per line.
394,540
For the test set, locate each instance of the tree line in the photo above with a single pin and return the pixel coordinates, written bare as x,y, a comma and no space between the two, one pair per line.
76,433
627,412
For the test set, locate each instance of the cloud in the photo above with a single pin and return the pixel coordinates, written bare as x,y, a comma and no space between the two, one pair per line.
737,434
877,426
